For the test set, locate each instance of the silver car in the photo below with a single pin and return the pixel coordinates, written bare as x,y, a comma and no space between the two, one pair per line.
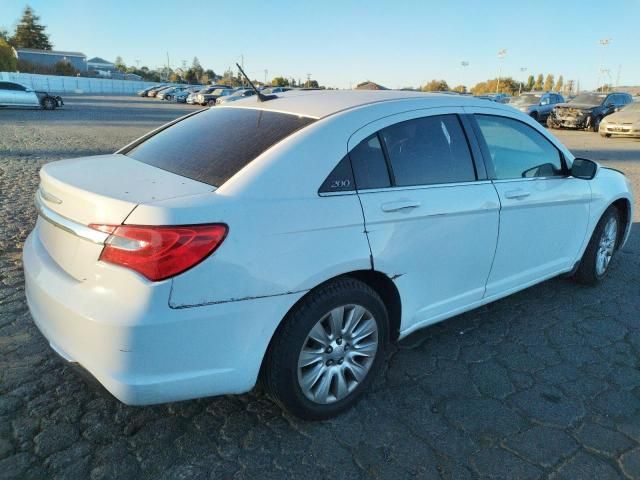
537,105
237,95
16,95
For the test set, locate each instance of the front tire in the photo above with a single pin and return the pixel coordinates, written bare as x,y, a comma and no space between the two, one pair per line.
601,248
327,350
48,103
595,124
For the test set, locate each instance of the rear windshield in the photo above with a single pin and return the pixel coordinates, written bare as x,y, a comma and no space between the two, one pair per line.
214,145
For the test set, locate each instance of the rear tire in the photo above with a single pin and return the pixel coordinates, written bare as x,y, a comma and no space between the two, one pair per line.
534,115
327,350
596,259
595,124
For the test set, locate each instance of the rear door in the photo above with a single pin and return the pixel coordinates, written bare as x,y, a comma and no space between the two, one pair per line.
431,215
544,212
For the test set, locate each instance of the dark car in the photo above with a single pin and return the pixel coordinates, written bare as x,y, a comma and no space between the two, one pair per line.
587,110
537,105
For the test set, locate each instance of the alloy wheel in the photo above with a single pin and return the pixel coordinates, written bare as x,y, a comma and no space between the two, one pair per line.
337,354
606,246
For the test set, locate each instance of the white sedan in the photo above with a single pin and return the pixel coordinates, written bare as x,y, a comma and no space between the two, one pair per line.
289,240
16,95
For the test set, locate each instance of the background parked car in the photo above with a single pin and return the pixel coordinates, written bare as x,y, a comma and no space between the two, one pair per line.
181,97
587,110
495,97
17,95
237,95
154,92
170,93
271,90
537,105
144,92
626,122
211,94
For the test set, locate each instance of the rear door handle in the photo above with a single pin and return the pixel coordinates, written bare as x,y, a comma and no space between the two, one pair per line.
399,205
519,193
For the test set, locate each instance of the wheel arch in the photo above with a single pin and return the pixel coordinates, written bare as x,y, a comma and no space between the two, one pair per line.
381,283
624,208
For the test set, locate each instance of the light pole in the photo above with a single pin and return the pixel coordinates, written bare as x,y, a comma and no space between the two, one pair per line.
464,64
501,54
522,70
604,43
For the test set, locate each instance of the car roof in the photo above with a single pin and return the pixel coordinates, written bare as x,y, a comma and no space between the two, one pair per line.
322,103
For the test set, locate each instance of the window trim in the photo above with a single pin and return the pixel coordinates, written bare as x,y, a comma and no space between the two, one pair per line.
486,154
392,176
480,167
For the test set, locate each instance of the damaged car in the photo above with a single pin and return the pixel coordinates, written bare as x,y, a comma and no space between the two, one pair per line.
17,95
587,110
288,239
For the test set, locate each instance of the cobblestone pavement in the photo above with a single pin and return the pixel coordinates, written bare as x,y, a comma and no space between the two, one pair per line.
543,384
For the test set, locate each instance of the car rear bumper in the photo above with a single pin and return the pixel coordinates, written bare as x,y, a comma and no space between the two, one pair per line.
148,352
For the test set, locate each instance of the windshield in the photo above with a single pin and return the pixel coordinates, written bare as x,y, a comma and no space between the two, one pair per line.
526,100
590,98
213,145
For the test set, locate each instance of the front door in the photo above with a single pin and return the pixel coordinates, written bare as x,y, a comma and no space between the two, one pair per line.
544,212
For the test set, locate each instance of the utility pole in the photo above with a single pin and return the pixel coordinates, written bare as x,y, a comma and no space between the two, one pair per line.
522,70
168,63
501,54
266,74
618,76
604,43
308,84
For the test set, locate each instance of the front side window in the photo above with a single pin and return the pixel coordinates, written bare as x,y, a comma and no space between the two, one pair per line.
517,150
429,150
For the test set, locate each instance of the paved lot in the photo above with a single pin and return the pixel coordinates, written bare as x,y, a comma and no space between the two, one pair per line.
543,384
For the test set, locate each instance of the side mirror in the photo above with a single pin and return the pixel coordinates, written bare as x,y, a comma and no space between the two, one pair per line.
584,168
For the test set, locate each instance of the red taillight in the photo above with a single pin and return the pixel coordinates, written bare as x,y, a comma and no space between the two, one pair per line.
160,252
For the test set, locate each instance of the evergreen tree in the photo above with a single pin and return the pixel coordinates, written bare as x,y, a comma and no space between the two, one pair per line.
30,33
548,83
559,84
530,83
538,84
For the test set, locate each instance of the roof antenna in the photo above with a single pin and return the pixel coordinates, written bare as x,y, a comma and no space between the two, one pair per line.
261,96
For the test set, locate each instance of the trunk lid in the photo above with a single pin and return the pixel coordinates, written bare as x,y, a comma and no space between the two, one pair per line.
103,189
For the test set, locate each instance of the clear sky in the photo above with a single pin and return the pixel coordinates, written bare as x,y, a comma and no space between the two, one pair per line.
341,43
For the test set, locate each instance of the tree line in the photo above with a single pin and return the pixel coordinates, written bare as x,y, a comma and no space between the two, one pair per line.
505,85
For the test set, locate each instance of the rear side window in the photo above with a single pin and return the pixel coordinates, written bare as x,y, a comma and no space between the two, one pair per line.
369,164
429,150
214,145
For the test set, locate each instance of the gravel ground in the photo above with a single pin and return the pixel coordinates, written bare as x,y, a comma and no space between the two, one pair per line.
543,384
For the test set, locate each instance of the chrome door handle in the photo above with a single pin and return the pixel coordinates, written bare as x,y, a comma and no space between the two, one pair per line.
517,193
399,205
